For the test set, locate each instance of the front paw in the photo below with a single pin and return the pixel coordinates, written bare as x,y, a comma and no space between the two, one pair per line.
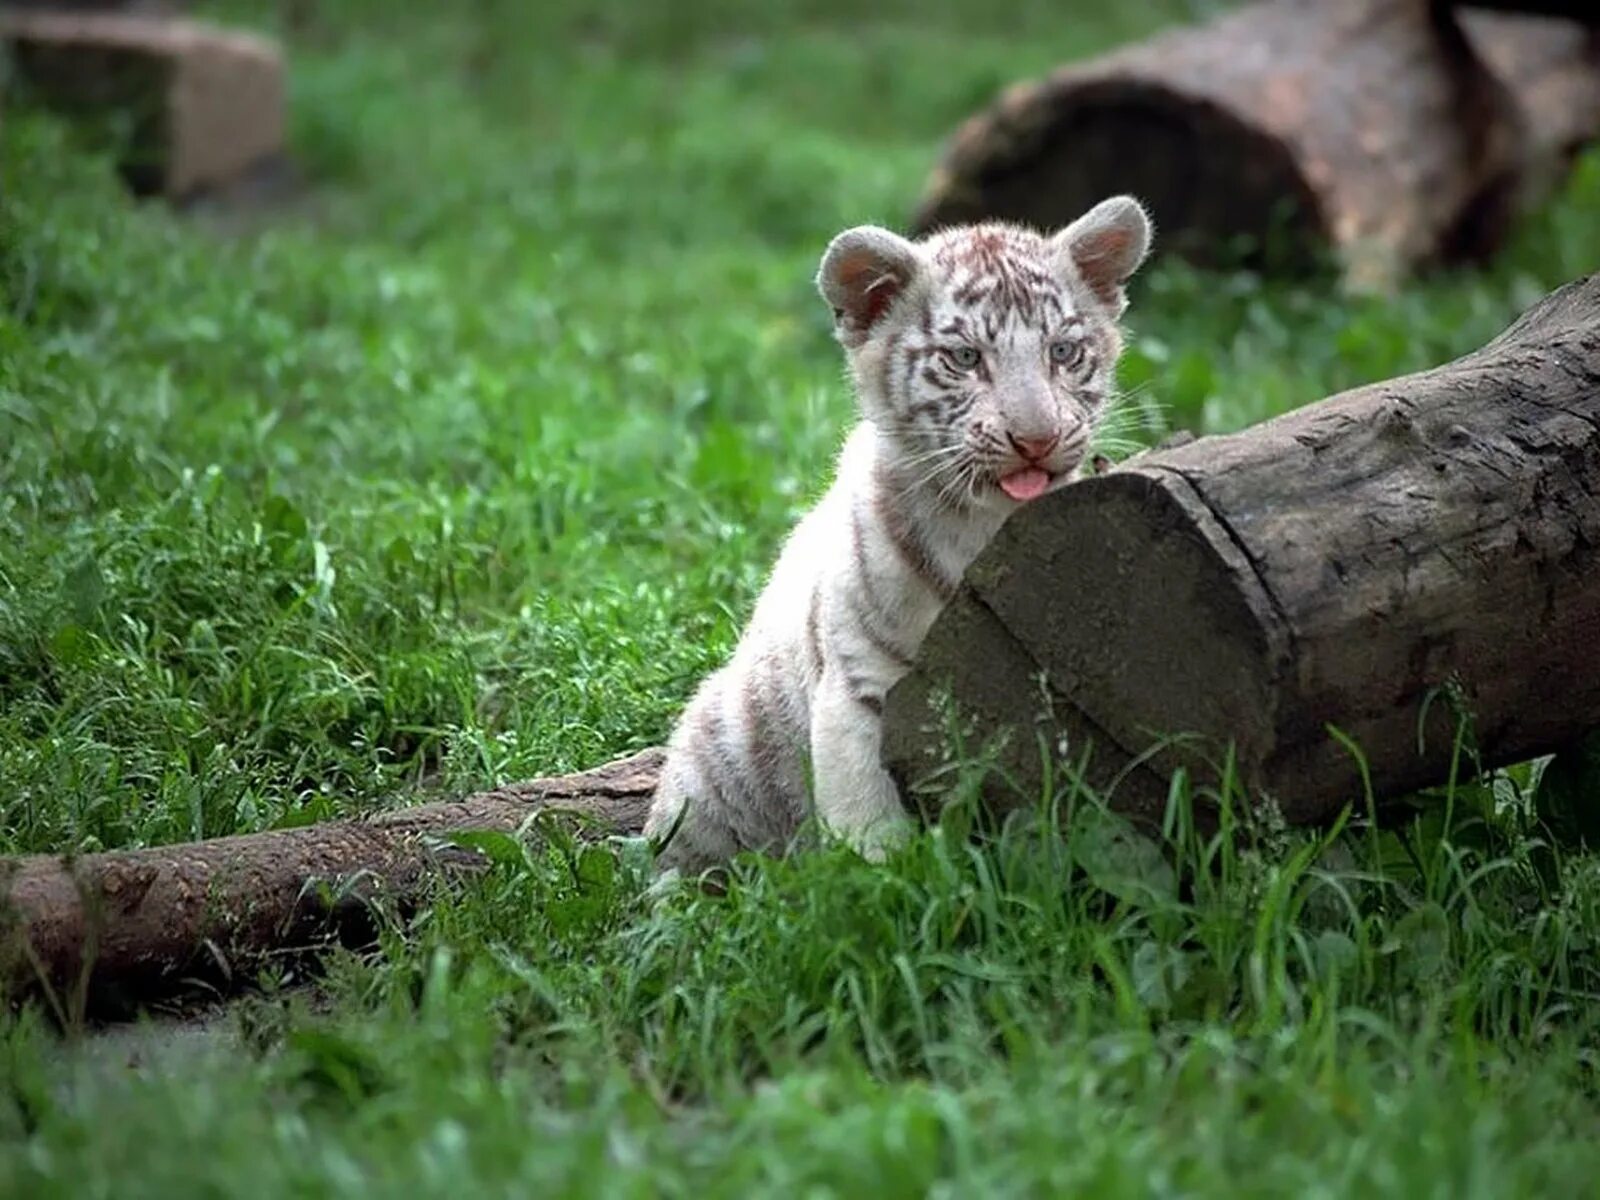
875,842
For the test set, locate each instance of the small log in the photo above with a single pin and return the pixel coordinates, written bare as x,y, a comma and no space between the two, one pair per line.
105,931
1378,562
1390,131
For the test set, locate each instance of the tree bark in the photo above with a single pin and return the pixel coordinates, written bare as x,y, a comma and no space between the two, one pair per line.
104,931
1376,562
1387,130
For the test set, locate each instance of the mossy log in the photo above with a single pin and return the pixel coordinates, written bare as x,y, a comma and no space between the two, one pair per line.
1385,562
1393,132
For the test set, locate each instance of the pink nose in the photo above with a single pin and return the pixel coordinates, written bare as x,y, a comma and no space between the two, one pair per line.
1034,449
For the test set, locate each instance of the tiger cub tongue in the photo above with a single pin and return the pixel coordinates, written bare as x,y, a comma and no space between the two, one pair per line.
1027,484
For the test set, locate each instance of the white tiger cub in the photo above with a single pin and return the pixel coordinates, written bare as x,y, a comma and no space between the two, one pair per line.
982,359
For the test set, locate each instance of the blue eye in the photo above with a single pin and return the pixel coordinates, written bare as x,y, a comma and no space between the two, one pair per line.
965,357
1066,354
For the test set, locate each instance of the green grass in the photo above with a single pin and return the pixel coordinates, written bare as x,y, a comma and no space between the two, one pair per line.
469,467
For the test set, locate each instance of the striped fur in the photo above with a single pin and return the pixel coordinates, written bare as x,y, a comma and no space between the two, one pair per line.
980,355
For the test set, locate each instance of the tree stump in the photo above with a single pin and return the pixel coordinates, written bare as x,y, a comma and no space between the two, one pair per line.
1370,562
1391,131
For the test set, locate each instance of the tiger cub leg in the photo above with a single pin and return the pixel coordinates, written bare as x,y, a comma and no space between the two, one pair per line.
856,799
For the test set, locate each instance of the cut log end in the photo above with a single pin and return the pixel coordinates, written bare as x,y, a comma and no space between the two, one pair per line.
1212,182
1386,135
204,106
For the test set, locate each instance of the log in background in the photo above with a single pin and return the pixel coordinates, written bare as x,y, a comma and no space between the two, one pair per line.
1395,132
1340,564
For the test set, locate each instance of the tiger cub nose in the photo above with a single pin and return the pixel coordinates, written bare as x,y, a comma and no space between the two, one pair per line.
1035,448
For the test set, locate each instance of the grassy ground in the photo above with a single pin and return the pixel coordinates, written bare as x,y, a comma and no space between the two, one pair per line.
469,469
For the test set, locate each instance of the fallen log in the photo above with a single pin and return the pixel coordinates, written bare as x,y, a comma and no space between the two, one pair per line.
101,932
1394,132
1379,561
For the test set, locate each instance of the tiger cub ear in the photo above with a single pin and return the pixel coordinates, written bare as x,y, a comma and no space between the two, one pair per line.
863,271
1106,246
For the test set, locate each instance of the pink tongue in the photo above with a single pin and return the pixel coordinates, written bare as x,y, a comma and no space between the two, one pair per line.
1025,485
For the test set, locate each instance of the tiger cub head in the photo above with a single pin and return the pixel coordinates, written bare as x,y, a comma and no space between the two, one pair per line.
986,352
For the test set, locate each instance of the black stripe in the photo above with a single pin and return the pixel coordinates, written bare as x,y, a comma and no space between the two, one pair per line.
909,545
881,642
889,347
765,751
727,782
858,550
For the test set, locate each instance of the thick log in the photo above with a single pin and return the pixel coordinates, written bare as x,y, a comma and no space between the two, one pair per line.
104,931
1390,131
1552,70
1379,561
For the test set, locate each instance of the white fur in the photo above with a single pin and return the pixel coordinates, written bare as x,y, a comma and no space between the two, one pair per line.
795,714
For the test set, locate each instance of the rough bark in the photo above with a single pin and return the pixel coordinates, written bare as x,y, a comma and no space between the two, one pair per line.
106,930
1379,562
1388,130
